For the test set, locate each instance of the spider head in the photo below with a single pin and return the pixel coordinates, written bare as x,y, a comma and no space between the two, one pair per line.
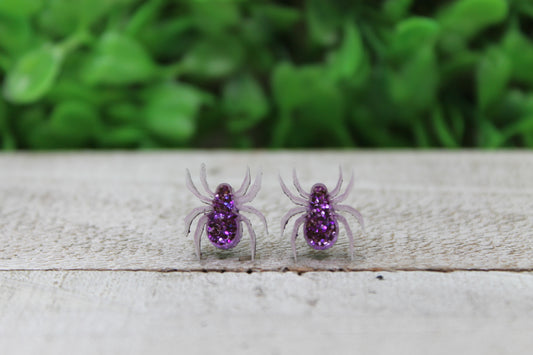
319,189
224,190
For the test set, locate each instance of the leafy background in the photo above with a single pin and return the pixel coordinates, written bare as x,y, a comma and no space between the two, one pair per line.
243,74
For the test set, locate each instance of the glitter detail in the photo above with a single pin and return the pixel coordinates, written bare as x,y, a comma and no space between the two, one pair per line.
223,223
320,229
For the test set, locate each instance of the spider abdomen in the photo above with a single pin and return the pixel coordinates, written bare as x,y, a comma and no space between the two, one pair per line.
223,227
223,230
320,228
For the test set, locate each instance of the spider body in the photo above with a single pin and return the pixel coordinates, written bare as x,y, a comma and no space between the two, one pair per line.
223,227
320,214
222,218
320,226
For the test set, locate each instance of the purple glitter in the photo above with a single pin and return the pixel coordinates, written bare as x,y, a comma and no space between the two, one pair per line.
320,228
222,218
319,214
223,225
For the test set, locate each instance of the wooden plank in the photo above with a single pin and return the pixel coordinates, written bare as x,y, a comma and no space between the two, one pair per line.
88,312
432,210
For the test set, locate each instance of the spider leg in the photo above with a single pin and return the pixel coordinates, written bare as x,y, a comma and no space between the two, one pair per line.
353,212
252,234
198,235
192,215
298,186
255,211
291,213
337,188
203,179
348,232
253,190
245,184
344,195
297,225
194,190
296,199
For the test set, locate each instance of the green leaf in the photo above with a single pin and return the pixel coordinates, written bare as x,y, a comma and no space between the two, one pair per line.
525,7
171,110
213,58
20,8
519,50
276,15
63,17
461,63
350,57
68,88
119,60
244,102
323,107
412,34
3,116
123,112
492,75
466,18
121,137
156,37
7,140
281,130
323,21
289,85
522,126
28,122
74,124
302,87
311,108
490,136
414,87
33,75
15,34
396,9
421,136
145,15
457,123
369,125
444,134
214,16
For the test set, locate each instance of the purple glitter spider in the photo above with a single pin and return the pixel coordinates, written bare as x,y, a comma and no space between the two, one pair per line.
320,209
222,217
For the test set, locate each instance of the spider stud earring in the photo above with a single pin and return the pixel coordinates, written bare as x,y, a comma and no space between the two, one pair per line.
222,218
320,210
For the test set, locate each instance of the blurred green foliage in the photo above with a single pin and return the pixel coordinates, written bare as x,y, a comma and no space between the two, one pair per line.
252,73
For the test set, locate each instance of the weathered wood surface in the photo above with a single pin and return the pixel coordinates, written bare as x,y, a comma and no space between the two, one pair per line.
75,227
90,312
433,210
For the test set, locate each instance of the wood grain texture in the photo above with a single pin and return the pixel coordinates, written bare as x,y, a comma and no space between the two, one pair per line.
433,210
88,312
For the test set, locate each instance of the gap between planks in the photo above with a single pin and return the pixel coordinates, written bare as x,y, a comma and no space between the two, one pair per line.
298,271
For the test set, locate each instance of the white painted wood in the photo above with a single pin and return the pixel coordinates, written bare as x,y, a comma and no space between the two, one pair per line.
124,211
102,211
88,312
